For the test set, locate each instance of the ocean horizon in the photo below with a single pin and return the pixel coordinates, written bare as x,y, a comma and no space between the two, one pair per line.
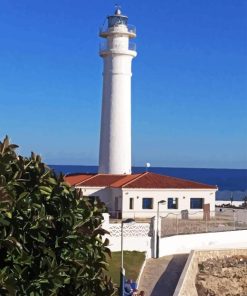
231,182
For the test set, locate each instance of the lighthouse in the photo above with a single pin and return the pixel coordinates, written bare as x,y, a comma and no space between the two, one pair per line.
115,135
125,194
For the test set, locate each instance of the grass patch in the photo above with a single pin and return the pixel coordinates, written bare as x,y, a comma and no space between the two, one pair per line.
132,263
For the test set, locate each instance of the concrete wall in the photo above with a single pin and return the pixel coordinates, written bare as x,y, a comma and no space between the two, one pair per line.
186,284
180,244
141,244
163,194
136,236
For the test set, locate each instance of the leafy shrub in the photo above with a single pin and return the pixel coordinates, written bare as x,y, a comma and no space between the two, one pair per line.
50,236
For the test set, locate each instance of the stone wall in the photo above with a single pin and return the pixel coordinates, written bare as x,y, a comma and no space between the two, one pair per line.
186,285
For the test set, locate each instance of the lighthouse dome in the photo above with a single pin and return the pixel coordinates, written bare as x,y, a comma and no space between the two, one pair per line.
117,19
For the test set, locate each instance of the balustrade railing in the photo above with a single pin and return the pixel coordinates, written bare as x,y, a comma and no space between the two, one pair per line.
188,222
104,30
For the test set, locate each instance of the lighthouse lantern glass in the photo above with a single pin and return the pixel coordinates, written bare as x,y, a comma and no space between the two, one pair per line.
117,20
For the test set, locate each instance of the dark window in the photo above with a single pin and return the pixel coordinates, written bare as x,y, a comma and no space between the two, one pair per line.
147,203
131,203
117,20
172,203
196,203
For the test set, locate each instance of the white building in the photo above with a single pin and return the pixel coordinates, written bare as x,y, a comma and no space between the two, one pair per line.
130,195
137,195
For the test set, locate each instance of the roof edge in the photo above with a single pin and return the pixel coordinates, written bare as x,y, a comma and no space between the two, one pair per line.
138,177
188,180
78,184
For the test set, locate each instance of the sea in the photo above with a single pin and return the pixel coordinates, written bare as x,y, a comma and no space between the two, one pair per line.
231,182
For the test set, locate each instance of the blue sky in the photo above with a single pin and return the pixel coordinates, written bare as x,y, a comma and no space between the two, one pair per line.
189,106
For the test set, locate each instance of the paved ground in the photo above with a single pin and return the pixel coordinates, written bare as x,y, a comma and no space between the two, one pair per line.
160,276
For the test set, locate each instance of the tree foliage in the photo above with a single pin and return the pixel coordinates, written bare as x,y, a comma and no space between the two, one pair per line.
50,236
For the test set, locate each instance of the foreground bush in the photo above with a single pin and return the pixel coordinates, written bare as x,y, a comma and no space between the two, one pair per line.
50,237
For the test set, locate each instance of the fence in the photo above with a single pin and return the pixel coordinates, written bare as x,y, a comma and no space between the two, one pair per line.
136,236
207,230
105,30
200,222
130,230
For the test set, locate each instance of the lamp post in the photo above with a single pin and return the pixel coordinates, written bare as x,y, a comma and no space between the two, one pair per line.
157,228
122,270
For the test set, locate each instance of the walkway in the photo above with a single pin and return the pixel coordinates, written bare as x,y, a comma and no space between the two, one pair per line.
160,276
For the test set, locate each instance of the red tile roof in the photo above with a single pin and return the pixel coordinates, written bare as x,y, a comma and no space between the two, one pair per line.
74,179
102,180
125,180
146,180
151,180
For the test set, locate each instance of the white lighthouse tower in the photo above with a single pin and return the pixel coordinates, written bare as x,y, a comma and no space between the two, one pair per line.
115,135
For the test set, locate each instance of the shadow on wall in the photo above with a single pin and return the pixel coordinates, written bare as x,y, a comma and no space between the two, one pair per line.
167,282
102,194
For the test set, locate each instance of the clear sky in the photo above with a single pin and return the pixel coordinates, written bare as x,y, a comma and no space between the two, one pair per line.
189,93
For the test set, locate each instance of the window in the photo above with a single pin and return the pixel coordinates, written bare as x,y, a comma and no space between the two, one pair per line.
172,203
147,203
196,203
131,204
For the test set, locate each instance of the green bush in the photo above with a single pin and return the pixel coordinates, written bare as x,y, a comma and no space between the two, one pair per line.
50,236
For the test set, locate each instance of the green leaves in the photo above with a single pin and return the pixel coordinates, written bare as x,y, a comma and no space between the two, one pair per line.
50,237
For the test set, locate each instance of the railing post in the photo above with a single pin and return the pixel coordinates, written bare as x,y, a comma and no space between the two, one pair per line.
154,236
177,223
234,217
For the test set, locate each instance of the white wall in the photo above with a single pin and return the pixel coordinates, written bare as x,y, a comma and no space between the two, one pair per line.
135,236
107,195
115,133
103,193
141,244
116,193
180,244
163,194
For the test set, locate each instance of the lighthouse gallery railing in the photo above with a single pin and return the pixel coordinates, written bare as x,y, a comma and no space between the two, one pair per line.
103,46
104,29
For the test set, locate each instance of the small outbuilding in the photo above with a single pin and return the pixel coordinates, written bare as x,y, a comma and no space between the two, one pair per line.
138,195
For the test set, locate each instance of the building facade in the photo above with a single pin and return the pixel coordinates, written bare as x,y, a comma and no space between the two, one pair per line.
138,195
